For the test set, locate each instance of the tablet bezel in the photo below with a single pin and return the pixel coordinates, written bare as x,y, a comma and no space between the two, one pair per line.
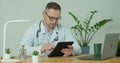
57,50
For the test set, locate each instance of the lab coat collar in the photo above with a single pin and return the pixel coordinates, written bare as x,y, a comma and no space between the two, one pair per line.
44,30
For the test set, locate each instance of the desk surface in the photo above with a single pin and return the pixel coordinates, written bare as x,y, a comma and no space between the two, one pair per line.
72,59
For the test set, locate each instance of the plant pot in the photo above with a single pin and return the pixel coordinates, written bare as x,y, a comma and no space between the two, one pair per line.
35,59
7,57
85,49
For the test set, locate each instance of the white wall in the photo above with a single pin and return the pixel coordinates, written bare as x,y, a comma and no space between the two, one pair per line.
31,9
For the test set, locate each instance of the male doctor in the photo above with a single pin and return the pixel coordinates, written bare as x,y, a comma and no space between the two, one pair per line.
44,36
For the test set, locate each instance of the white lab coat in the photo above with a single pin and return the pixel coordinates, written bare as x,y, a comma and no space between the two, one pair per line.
58,34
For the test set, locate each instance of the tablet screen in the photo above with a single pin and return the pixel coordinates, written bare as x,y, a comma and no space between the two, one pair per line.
59,46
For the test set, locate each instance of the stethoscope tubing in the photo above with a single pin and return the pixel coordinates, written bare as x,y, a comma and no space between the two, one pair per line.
39,30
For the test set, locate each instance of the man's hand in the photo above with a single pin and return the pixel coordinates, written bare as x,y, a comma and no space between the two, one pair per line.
67,51
47,47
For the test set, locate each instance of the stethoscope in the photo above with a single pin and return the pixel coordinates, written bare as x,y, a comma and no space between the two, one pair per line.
39,30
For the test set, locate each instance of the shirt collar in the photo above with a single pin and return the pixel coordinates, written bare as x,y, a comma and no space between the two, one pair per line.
44,29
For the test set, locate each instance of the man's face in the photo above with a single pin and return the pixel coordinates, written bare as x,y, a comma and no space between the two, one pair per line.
51,17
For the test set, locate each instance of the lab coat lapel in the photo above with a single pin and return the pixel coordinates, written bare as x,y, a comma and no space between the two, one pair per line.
42,35
54,35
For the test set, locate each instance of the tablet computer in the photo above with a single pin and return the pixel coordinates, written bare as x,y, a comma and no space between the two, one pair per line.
59,46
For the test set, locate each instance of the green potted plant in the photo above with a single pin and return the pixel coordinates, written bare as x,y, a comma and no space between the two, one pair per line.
84,32
7,53
35,56
118,48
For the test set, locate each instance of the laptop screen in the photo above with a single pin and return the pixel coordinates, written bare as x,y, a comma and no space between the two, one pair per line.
110,45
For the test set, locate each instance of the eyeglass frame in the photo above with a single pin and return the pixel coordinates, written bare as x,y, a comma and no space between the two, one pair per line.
52,18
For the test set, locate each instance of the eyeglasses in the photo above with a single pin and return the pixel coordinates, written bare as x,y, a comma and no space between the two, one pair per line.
53,18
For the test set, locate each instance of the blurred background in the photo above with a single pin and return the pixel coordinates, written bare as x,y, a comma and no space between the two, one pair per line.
32,9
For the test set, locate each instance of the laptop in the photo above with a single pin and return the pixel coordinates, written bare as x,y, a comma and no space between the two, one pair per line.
109,48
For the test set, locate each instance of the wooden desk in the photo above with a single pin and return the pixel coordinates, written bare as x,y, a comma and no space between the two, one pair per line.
73,59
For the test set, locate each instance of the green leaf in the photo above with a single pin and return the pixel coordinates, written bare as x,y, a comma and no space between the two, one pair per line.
85,31
35,53
75,18
119,43
7,51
